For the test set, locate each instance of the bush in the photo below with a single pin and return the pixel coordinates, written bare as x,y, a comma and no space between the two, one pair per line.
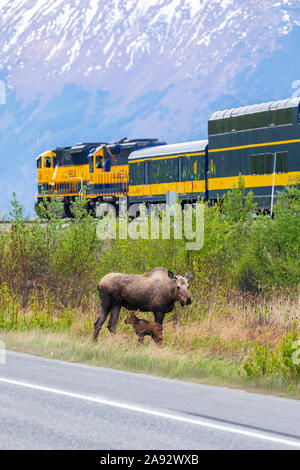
279,362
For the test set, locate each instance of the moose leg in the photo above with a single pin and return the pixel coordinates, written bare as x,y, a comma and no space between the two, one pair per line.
159,317
112,323
99,322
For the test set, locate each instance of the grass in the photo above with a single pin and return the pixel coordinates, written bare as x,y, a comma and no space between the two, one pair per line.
209,349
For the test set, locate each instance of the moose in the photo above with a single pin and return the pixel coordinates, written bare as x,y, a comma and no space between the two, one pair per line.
144,328
156,291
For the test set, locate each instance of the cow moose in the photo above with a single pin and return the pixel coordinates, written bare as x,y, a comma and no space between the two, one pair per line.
156,291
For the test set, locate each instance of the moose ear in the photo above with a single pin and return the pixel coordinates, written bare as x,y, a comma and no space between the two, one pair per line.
187,275
171,275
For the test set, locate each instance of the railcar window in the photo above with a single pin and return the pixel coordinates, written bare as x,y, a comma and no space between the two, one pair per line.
137,173
289,115
273,120
261,164
219,126
241,122
263,119
163,171
280,116
226,124
279,162
211,127
282,162
275,117
233,123
268,163
256,120
248,121
172,169
285,162
192,168
253,165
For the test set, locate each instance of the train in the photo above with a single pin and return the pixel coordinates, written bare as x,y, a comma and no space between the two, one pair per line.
260,142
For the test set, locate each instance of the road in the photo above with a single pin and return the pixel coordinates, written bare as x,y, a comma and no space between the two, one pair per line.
51,404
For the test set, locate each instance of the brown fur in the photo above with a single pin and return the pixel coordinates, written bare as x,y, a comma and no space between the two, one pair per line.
156,291
144,328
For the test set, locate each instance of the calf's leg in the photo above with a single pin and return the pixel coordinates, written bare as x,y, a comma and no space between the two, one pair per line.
140,338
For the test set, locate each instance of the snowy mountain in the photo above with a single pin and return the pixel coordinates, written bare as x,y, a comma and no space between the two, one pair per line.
101,69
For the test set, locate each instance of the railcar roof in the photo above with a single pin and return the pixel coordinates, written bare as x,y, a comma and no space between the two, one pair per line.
172,149
256,108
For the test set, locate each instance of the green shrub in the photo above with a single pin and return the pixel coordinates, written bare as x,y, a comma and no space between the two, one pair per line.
279,362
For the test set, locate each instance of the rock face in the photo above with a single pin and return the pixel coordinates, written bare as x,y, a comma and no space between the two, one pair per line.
102,69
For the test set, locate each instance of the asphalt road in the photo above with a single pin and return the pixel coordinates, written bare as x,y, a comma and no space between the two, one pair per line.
50,404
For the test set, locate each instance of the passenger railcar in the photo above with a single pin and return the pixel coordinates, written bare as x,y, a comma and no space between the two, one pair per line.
245,140
178,167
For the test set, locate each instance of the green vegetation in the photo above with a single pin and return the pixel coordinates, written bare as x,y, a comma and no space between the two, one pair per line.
240,330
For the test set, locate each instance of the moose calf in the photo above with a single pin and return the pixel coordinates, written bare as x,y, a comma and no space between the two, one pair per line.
145,328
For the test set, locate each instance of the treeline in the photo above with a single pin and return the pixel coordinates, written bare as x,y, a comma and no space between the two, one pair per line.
242,250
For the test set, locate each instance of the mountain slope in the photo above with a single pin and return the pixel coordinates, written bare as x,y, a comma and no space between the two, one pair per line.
101,69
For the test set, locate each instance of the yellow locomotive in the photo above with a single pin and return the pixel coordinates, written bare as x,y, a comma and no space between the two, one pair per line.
101,168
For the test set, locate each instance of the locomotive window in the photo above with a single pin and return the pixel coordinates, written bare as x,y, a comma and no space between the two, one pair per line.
47,161
54,162
39,163
98,161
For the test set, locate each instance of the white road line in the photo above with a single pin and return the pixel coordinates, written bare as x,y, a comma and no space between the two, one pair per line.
138,409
